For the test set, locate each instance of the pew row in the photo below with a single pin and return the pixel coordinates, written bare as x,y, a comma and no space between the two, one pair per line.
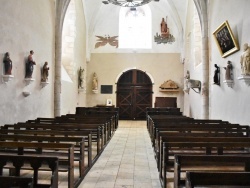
16,163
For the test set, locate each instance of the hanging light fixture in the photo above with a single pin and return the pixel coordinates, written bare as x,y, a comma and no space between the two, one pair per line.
128,3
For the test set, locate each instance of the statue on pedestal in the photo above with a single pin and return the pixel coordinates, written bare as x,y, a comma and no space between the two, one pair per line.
7,64
29,65
245,60
228,68
45,72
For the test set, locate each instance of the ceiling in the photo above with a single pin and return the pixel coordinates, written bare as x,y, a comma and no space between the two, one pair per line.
101,17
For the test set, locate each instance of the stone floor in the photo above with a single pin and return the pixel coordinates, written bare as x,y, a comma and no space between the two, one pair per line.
127,161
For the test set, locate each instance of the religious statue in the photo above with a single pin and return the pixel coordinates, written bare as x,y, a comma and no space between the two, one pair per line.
45,72
164,36
164,28
95,82
80,78
7,64
245,60
228,69
29,65
217,74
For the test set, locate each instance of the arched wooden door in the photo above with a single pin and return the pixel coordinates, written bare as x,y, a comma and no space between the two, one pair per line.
134,95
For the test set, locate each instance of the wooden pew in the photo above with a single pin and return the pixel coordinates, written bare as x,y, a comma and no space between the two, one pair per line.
172,148
198,128
77,141
55,133
35,162
17,182
217,179
46,149
98,128
224,130
196,162
100,110
62,127
181,123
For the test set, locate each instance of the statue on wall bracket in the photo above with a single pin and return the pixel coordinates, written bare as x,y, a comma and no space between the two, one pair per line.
165,36
29,65
245,64
7,64
217,75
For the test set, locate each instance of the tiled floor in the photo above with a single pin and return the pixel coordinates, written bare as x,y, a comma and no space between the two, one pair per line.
127,162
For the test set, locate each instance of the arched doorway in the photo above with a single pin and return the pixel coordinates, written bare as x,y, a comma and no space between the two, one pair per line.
134,95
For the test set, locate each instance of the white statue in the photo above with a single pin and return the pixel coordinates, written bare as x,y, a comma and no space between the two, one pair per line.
95,82
245,60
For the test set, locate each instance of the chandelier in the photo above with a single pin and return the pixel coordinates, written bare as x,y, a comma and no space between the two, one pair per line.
128,3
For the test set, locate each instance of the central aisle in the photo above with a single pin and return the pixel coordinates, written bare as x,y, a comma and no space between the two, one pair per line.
127,161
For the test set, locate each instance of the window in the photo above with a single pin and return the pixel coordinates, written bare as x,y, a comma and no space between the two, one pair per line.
135,27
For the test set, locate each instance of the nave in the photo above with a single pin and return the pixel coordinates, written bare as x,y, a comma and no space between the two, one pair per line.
127,161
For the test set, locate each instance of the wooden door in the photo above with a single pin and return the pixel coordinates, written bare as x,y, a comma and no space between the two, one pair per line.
134,95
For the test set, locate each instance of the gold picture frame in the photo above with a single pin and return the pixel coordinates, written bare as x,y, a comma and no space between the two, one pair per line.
225,40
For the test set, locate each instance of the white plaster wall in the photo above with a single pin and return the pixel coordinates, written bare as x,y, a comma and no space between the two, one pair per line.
27,25
71,98
226,103
109,66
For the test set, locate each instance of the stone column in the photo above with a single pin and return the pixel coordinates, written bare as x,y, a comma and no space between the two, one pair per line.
201,6
61,8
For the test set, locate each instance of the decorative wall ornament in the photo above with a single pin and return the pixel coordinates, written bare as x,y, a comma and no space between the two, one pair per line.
229,74
169,85
191,84
217,75
128,3
225,40
102,41
165,36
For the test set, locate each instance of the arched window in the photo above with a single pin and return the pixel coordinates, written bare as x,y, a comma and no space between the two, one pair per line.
135,27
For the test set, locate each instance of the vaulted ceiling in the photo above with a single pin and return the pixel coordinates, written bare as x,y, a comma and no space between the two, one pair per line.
103,18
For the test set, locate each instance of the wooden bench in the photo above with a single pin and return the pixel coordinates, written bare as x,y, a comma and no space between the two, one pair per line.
198,162
199,128
217,179
66,162
205,148
17,182
78,142
54,133
62,127
224,131
17,163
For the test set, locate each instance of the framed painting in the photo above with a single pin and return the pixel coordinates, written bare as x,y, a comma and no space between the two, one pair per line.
225,40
